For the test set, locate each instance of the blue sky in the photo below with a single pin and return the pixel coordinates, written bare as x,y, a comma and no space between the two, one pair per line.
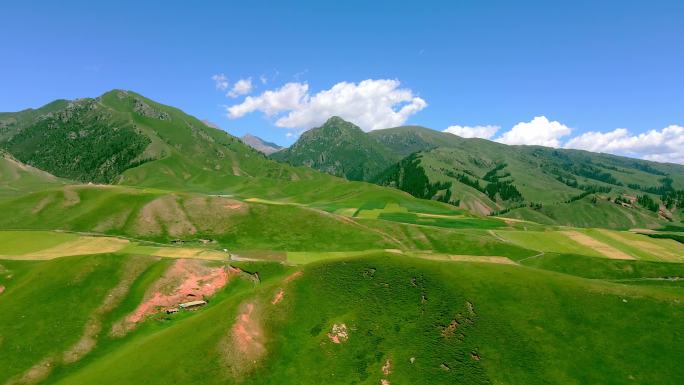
605,76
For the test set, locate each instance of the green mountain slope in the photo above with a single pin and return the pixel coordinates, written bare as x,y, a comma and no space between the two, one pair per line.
97,140
406,140
124,138
17,178
553,186
13,122
363,320
312,278
339,148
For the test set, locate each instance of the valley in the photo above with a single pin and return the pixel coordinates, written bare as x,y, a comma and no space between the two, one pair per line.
139,244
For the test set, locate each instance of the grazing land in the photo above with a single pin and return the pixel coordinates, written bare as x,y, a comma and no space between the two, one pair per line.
179,254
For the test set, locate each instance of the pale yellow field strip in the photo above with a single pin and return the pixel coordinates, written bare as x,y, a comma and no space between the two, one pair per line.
607,250
348,212
482,258
394,251
512,220
645,231
81,246
427,215
186,252
270,202
674,251
469,258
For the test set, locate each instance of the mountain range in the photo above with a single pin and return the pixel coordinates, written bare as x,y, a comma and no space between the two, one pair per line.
259,144
555,186
139,244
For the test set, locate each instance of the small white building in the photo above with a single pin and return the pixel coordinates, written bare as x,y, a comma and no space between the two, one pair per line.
192,304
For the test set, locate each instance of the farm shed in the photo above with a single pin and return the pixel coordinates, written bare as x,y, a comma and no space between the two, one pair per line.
192,304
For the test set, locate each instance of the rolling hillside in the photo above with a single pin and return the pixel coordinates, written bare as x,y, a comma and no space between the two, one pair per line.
339,148
101,139
553,186
124,212
17,178
124,138
376,318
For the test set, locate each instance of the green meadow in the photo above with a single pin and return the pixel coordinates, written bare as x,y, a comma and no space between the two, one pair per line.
434,322
178,254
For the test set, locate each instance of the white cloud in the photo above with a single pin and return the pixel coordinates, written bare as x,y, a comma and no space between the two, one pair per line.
241,87
263,79
539,131
485,132
221,81
666,145
288,97
371,104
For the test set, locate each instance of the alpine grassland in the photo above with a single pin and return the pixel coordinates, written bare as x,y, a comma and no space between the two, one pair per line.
140,245
357,319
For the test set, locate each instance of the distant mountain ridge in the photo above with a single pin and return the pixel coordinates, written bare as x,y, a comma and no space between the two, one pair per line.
259,144
122,137
339,148
555,186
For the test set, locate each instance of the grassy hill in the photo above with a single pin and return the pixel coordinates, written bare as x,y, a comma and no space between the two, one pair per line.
339,148
552,186
13,122
124,138
17,178
98,140
406,140
313,278
360,320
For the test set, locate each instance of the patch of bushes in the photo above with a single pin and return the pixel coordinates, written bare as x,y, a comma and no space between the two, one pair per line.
408,175
648,203
505,190
673,198
594,173
647,168
663,189
591,188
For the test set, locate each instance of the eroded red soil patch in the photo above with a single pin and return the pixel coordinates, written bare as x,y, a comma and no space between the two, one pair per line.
247,333
292,277
186,280
2,289
338,333
281,292
245,345
387,367
278,297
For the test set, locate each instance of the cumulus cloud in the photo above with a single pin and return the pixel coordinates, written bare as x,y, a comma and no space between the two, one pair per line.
539,131
485,132
221,81
666,145
371,104
241,87
289,97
